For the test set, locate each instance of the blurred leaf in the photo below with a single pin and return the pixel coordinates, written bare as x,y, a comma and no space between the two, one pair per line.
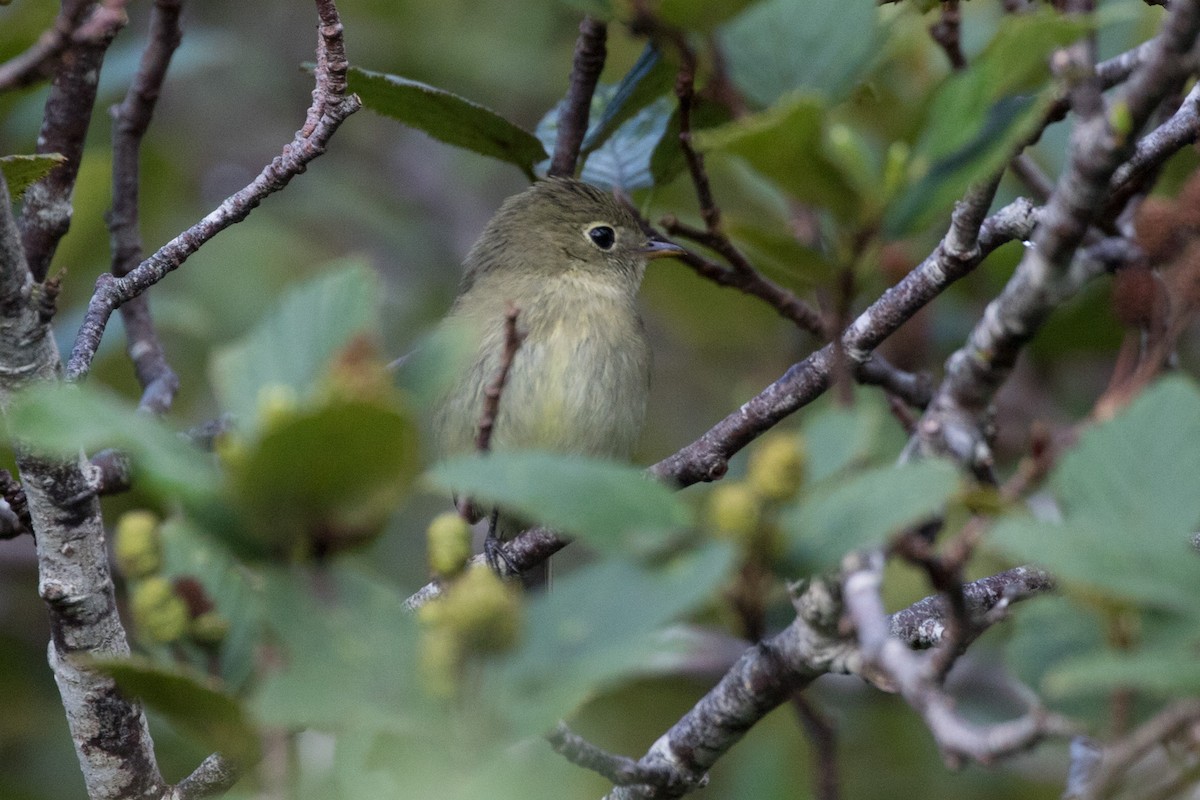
787,143
1168,672
699,15
295,343
191,551
867,508
595,628
193,706
329,476
64,419
22,170
447,117
837,438
1130,497
605,502
1047,630
979,115
778,47
647,80
350,651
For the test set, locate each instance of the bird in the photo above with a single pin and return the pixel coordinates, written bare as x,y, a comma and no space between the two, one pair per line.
567,258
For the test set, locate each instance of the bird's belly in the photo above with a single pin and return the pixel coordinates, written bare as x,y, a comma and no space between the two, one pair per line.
575,393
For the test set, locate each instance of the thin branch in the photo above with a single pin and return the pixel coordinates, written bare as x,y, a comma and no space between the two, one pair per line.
742,276
914,675
621,770
158,381
707,458
518,555
1117,758
213,777
46,213
946,32
41,59
1181,130
573,118
491,395
331,106
822,736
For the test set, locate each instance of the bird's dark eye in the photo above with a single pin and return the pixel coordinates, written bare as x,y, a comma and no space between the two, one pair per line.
602,236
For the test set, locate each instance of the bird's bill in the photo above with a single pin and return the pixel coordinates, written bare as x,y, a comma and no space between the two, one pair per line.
656,248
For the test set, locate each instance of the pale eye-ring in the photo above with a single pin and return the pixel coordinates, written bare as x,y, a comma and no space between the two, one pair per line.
603,236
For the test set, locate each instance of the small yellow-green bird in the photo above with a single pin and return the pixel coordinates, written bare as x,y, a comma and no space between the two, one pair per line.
570,259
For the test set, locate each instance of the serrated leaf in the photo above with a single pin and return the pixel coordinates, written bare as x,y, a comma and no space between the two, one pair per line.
611,505
1130,498
196,708
778,47
64,419
867,508
21,171
787,144
447,117
597,627
296,342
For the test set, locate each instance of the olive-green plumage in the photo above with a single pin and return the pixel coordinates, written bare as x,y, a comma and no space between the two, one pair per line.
571,259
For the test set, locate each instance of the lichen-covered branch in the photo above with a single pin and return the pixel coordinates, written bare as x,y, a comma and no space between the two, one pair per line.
1048,274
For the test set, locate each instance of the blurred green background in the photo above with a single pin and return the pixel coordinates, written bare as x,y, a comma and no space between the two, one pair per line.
410,207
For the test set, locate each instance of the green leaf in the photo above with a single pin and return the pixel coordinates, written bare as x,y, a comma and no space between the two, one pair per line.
838,438
699,15
778,47
63,419
598,626
1130,498
645,83
447,117
611,505
1168,672
869,507
788,144
194,706
294,345
350,651
622,159
21,171
329,476
981,114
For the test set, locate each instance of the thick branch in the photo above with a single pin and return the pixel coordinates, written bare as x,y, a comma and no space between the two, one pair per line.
46,213
330,107
573,119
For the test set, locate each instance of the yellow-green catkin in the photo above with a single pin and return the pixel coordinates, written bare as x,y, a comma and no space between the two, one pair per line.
448,539
776,468
137,544
159,613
